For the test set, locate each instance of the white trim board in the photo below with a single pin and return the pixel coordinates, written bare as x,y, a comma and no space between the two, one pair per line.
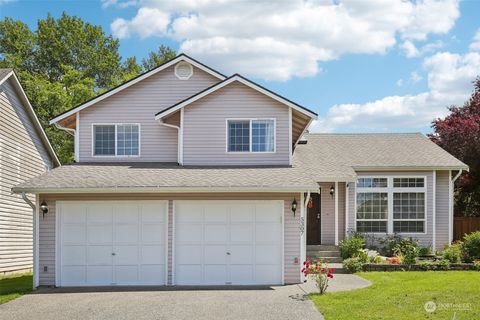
227,82
181,57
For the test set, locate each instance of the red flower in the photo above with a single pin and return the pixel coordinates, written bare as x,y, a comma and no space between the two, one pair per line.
330,270
323,270
330,275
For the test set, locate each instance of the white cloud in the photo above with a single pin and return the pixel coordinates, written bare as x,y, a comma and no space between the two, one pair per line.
399,82
415,77
411,51
119,4
450,78
156,20
475,45
278,40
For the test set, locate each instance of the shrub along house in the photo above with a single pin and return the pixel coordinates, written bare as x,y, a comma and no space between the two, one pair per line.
184,176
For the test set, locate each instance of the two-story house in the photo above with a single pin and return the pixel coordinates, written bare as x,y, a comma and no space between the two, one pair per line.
25,152
184,176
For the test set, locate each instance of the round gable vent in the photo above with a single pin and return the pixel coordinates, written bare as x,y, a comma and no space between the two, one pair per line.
183,70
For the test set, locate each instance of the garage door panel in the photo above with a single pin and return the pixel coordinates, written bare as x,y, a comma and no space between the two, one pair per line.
152,274
99,213
242,212
223,242
189,274
216,213
268,232
241,274
74,234
76,214
267,254
152,254
104,228
126,255
99,255
241,254
127,213
189,254
215,274
189,233
126,275
215,233
215,254
99,275
74,255
153,233
99,234
74,275
126,233
241,233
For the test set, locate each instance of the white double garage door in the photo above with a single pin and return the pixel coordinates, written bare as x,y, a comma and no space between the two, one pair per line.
127,243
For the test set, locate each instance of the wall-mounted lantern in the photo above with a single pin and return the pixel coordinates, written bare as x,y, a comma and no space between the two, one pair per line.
332,190
294,206
44,208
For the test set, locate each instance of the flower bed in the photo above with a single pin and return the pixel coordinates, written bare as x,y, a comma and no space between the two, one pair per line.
419,267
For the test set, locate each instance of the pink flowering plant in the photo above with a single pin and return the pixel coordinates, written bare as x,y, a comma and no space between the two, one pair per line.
319,273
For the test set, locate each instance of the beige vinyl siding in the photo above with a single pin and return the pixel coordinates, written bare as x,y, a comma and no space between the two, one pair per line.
205,127
139,104
291,226
352,198
341,211
328,213
22,156
425,239
442,209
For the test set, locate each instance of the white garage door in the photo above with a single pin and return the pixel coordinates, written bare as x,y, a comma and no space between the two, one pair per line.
228,242
112,243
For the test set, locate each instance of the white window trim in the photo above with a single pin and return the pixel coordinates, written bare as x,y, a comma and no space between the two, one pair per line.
116,125
390,190
250,142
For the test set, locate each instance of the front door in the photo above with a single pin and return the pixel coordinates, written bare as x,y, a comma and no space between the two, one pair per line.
314,221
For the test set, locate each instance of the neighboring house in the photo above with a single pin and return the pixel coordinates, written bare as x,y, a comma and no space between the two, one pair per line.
187,177
25,152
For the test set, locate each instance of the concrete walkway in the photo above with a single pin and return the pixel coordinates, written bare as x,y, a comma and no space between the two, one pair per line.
282,302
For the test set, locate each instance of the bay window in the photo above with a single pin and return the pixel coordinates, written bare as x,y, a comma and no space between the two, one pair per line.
391,205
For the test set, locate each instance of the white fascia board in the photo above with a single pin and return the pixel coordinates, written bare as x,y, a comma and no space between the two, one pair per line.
306,188
36,122
136,80
409,168
6,77
227,82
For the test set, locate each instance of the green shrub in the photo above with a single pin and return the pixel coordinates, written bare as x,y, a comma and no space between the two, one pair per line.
426,265
388,244
408,249
471,246
377,259
425,251
453,253
350,247
353,265
443,265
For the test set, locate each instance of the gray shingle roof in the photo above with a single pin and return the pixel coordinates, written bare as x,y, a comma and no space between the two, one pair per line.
167,177
375,151
325,158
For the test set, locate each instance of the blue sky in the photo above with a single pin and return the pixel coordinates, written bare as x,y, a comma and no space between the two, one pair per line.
363,66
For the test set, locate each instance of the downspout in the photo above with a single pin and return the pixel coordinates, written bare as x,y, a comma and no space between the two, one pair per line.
35,239
451,186
178,135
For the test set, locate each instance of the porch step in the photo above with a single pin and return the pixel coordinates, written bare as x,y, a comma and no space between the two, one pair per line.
338,268
328,253
322,247
319,254
326,259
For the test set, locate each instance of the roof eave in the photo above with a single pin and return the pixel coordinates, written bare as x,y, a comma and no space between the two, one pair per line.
409,168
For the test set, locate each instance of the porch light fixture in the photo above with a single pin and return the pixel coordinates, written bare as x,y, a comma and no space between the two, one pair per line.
44,208
332,190
294,206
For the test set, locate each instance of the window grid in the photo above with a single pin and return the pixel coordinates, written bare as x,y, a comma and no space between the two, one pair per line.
406,213
116,139
408,182
372,183
252,135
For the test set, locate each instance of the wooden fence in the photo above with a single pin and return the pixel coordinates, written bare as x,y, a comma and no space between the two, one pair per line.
464,225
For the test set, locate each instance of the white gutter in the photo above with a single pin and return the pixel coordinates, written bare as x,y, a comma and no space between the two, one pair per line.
450,203
35,239
179,138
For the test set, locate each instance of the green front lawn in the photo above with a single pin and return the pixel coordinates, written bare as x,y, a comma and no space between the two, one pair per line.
14,285
402,295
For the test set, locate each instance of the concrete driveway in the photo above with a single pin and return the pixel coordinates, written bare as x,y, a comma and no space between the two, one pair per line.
283,302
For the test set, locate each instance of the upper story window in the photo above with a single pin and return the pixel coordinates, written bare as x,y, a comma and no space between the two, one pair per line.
121,140
251,135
